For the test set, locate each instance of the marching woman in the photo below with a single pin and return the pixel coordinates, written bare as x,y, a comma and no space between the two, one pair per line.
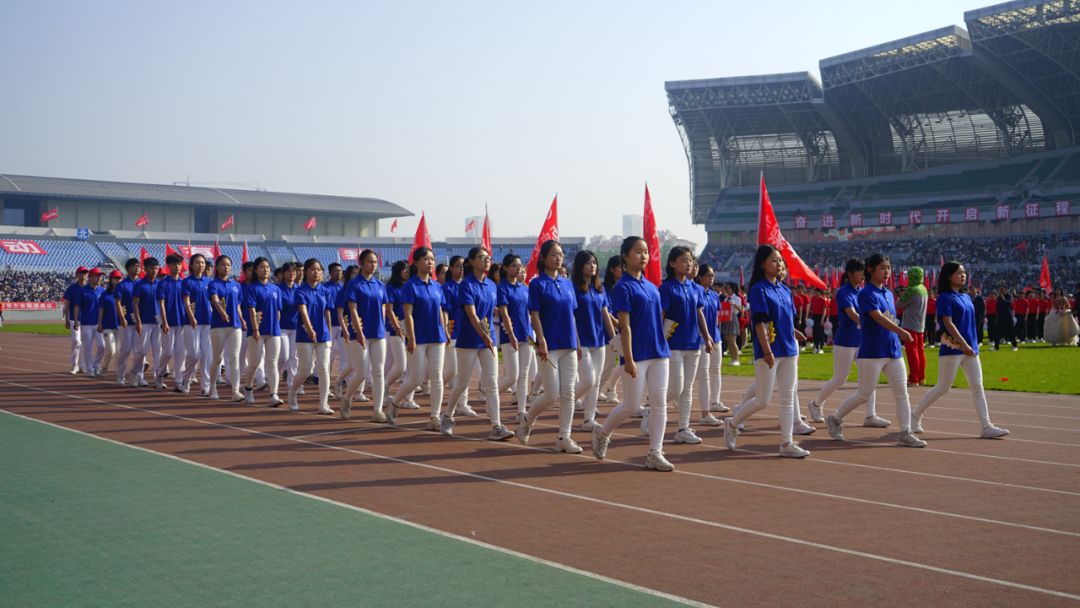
86,321
314,303
127,336
425,336
684,323
369,308
516,332
709,362
959,349
395,344
551,310
452,305
171,318
776,351
608,377
594,331
263,309
226,325
108,321
347,333
288,360
333,285
144,307
879,352
72,297
645,355
194,289
477,297
847,337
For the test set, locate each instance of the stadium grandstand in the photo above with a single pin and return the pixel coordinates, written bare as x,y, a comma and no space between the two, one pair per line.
957,135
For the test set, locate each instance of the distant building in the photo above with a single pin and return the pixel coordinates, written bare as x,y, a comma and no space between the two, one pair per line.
633,225
474,226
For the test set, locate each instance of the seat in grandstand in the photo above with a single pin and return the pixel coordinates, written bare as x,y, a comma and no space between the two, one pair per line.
59,255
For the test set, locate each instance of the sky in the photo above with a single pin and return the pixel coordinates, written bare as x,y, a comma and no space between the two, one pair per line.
439,107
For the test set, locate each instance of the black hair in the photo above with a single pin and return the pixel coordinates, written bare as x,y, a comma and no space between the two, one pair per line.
764,252
872,262
364,254
703,270
508,259
440,267
454,260
151,261
131,262
395,273
578,274
474,253
172,258
329,268
613,263
628,245
420,252
545,249
309,264
852,265
676,252
944,283
218,260
246,266
350,272
255,264
196,255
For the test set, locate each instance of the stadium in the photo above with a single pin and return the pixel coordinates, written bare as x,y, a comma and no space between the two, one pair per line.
961,143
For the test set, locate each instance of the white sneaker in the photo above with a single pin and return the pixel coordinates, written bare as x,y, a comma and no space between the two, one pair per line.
75,371
645,422
204,392
294,404
710,420
579,406
815,411
589,424
730,433
408,405
391,410
326,410
600,442
464,409
214,394
362,398
446,425
801,428
237,397
656,461
432,425
876,422
249,396
719,407
524,429
908,439
687,436
836,427
792,450
567,444
916,426
993,432
500,433
736,363
378,417
346,409
275,401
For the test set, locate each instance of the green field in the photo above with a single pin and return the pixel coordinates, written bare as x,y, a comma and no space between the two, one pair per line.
48,329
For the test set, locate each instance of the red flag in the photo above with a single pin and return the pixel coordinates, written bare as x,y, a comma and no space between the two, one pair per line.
926,280
422,238
144,220
244,254
310,224
470,225
549,232
228,223
769,234
485,233
217,250
142,261
51,214
903,279
393,226
1044,276
652,241
742,280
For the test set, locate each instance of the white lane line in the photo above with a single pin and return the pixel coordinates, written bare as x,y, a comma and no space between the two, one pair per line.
600,501
411,524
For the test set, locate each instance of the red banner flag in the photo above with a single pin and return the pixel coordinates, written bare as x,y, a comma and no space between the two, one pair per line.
51,214
217,250
652,241
742,279
549,232
228,223
422,238
469,225
769,234
142,261
244,254
1044,276
485,233
310,224
143,220
393,226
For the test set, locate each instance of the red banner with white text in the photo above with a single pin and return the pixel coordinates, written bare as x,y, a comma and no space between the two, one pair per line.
22,247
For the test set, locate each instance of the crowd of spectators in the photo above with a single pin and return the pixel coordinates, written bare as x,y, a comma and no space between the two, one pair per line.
19,286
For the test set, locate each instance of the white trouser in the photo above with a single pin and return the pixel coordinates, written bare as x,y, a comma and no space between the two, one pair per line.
337,353
398,357
784,376
707,381
198,354
372,355
93,347
172,350
425,363
843,357
225,341
683,371
590,366
288,358
652,377
609,378
313,357
126,350
76,348
149,345
869,371
450,362
264,351
489,380
108,338
947,366
558,374
516,372
534,367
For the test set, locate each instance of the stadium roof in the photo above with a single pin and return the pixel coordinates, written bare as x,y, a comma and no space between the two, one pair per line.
64,188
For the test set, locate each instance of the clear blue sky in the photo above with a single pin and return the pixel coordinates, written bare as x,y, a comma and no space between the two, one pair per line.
438,106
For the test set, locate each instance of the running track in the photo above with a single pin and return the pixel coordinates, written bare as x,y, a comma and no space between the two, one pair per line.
962,522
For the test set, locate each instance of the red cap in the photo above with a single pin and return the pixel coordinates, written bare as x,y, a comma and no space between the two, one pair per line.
116,274
94,272
81,269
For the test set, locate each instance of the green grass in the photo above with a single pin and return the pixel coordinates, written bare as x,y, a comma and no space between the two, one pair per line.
48,329
1036,368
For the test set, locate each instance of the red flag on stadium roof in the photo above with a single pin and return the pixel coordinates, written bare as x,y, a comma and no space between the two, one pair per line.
485,233
769,234
143,220
469,225
142,261
652,241
548,232
51,214
310,224
422,238
1044,276
244,254
393,226
228,223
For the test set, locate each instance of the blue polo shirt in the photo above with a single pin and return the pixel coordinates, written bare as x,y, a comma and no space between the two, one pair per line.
318,300
960,308
589,317
847,331
125,290
452,306
228,292
89,299
515,297
555,301
107,304
427,302
775,301
196,290
265,299
710,306
332,291
679,299
393,295
73,296
370,297
289,311
641,299
168,289
481,295
146,291
877,342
